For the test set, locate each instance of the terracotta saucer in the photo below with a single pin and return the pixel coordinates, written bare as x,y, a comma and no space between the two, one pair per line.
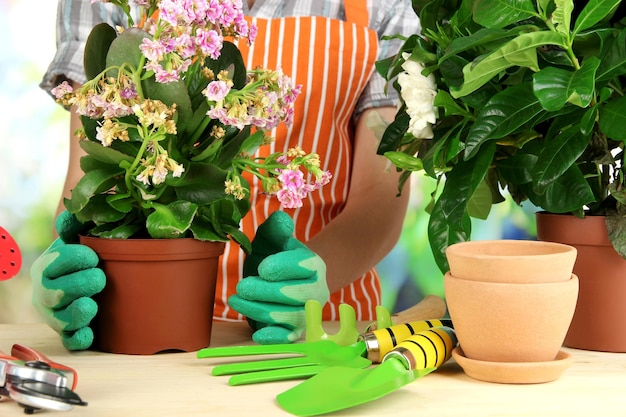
513,372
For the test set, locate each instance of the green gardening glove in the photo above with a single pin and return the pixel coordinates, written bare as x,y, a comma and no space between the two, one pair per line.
281,274
64,279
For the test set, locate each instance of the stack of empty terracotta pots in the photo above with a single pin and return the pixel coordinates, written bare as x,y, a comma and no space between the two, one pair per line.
511,303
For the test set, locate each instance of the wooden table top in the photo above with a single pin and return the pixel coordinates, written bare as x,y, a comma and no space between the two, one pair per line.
179,384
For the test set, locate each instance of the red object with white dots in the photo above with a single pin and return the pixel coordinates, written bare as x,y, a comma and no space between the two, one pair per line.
10,256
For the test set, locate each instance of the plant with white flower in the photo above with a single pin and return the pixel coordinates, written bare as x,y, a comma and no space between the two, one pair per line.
418,92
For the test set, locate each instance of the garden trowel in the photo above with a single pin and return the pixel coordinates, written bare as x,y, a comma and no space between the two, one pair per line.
339,387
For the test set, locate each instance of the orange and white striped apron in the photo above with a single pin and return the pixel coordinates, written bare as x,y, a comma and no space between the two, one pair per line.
332,60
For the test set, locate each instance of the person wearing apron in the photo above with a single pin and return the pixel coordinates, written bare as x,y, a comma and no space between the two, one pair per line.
329,48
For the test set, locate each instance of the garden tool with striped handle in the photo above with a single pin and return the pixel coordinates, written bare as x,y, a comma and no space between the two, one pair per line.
339,387
313,357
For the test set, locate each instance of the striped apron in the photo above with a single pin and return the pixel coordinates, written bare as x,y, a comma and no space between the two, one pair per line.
332,60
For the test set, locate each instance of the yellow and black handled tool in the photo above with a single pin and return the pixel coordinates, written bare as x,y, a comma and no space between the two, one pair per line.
338,387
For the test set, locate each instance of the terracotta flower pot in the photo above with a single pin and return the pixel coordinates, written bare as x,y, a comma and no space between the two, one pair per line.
598,322
524,261
159,294
510,322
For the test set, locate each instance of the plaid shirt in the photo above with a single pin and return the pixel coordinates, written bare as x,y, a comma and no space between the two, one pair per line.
76,18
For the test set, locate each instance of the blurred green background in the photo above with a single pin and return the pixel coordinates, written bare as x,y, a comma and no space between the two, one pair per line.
33,157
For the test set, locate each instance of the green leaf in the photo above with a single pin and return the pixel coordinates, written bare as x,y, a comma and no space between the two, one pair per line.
123,231
96,48
171,93
98,211
521,51
614,62
612,119
501,13
171,221
517,169
93,182
616,227
503,114
568,193
593,12
125,50
449,221
252,143
562,16
201,183
103,153
554,87
239,237
557,156
443,100
392,138
120,202
479,204
404,161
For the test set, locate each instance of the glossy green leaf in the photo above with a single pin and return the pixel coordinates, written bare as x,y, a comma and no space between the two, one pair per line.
394,133
404,161
503,114
96,48
593,12
171,93
557,156
555,87
568,193
445,102
104,153
614,62
125,50
479,204
202,183
123,231
501,13
99,212
521,51
449,221
612,119
562,16
93,182
172,220
616,227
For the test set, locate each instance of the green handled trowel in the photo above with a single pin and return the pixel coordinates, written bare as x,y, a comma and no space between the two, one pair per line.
339,387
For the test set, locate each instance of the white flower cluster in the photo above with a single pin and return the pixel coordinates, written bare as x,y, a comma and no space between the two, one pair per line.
418,92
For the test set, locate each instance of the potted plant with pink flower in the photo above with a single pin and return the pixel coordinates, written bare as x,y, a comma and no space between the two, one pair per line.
171,123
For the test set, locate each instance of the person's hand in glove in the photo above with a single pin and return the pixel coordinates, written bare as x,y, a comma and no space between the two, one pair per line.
64,279
281,274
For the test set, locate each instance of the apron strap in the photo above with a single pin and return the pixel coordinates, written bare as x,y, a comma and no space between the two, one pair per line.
356,12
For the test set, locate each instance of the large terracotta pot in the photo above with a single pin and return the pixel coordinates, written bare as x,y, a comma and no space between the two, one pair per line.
598,322
159,294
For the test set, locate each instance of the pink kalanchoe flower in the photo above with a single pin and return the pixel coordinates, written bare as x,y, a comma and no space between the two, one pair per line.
164,76
210,42
217,90
289,199
61,90
323,179
153,50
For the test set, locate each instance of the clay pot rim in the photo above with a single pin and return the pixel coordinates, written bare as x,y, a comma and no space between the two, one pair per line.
156,249
478,249
512,285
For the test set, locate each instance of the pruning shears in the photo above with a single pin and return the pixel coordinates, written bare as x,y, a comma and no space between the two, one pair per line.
36,382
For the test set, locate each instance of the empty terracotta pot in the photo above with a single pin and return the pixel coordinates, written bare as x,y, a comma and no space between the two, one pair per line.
524,261
510,322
